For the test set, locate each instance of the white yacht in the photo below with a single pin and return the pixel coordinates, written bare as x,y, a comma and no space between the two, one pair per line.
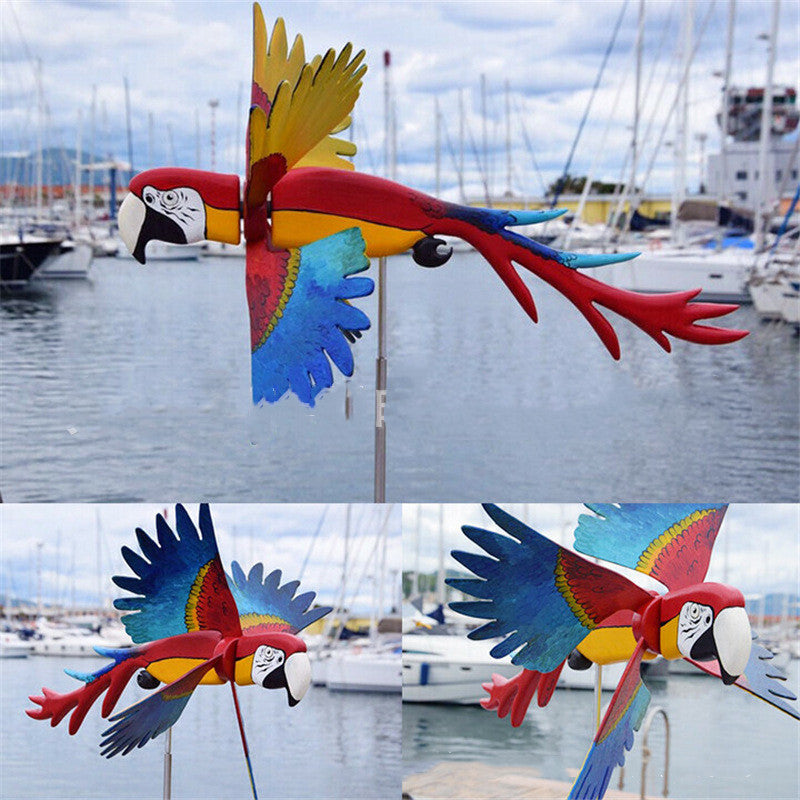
448,668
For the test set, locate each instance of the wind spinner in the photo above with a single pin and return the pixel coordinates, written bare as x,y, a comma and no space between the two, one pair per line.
311,222
191,624
553,607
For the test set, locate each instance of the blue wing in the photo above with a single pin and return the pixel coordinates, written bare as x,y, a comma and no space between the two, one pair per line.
615,734
266,605
143,721
540,596
308,328
182,586
761,678
672,542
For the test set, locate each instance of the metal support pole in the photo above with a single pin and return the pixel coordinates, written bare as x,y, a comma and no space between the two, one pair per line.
168,765
390,154
598,695
380,389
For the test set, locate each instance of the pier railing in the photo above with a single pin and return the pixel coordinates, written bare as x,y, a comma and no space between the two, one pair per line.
646,752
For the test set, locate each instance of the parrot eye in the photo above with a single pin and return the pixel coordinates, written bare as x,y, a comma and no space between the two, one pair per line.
694,612
268,657
170,199
265,661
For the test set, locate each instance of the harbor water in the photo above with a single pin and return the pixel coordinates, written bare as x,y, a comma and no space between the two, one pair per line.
134,385
725,744
332,745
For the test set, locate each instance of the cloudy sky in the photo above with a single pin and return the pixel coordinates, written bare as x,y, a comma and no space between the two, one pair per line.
757,550
280,536
178,55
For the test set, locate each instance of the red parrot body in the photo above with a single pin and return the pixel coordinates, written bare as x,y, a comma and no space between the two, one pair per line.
311,222
551,607
192,624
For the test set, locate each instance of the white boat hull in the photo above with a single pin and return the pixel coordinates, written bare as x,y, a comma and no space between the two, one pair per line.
722,276
766,294
164,251
364,672
790,300
72,646
11,646
426,680
450,669
72,263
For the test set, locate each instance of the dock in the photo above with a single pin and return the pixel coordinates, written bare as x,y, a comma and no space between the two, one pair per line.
473,780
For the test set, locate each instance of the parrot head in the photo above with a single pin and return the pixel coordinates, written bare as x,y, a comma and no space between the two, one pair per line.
277,661
706,622
181,206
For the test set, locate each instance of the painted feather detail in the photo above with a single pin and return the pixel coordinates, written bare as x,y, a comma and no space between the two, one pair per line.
143,721
181,587
761,678
541,597
307,326
624,716
265,605
670,542
298,106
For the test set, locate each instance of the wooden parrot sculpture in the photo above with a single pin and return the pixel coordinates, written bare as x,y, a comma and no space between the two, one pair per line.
191,624
311,222
552,607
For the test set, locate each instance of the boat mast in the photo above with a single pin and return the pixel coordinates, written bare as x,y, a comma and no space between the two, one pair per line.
92,142
438,147
761,215
150,139
682,121
462,195
128,127
197,138
213,104
636,115
508,140
485,140
440,572
78,168
39,129
726,85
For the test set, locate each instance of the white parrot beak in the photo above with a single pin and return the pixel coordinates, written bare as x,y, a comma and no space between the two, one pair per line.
130,219
733,640
298,676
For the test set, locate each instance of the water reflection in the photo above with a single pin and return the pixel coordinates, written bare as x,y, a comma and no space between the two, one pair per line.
137,382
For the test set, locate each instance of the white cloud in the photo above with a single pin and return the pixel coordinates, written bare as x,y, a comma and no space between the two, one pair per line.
281,536
758,548
179,55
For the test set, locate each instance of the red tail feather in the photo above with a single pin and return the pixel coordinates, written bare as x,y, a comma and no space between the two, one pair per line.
56,706
656,314
515,695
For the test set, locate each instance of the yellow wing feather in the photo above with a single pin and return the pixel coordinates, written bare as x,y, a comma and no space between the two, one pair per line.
308,101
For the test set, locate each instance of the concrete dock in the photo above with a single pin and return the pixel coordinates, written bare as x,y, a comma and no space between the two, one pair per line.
473,780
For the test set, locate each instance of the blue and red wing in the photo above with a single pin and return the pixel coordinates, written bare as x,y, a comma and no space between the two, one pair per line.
143,721
300,312
266,606
180,582
615,734
672,542
761,678
543,598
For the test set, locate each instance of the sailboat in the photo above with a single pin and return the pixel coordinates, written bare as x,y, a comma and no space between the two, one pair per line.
753,168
